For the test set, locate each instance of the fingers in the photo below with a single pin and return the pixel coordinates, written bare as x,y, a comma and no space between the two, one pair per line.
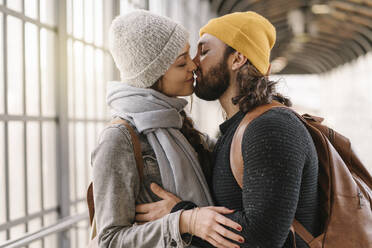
222,210
159,191
213,242
143,208
229,234
223,242
227,222
143,218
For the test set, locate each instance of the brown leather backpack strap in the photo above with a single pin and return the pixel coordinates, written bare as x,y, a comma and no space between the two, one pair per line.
136,145
293,232
90,201
302,232
236,157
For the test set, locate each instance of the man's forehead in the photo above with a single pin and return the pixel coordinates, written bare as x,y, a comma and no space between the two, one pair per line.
209,39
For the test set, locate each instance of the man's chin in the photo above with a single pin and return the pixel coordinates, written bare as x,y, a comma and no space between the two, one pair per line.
202,94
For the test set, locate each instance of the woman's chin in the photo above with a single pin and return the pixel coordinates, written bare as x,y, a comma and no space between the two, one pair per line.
187,92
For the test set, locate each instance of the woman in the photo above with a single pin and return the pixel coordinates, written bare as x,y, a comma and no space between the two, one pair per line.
152,54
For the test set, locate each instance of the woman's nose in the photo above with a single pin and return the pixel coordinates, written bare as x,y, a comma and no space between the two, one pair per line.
193,66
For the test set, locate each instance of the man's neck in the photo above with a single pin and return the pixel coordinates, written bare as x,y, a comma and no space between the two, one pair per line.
226,102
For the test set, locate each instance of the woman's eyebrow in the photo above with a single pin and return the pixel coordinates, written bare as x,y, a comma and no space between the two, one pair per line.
183,54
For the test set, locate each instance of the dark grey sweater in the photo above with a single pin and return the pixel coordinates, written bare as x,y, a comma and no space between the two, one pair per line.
279,182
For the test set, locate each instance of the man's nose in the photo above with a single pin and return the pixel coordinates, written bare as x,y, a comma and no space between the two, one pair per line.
196,60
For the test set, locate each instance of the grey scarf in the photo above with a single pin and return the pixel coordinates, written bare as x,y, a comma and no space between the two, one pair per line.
157,116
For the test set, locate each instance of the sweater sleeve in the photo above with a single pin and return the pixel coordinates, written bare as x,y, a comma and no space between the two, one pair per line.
273,151
116,187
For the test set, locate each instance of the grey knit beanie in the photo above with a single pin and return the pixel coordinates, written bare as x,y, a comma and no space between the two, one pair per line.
144,45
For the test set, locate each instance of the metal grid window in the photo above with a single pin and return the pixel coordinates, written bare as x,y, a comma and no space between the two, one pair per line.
90,66
54,64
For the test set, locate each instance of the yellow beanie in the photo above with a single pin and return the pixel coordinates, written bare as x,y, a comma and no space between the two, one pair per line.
248,33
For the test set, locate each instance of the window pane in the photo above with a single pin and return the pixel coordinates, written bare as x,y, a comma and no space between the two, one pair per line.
73,238
88,31
15,5
78,18
33,167
2,234
72,169
2,176
36,244
47,57
17,231
15,71
31,8
1,66
32,69
98,22
109,67
91,140
16,170
47,12
50,219
69,16
83,234
51,240
81,161
90,83
70,78
79,80
49,164
34,225
101,89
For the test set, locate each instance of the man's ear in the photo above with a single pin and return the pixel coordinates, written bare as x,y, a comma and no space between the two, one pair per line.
238,61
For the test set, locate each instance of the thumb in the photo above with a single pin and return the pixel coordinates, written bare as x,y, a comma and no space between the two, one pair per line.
159,191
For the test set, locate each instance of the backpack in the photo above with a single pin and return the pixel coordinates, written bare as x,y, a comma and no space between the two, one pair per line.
345,185
93,243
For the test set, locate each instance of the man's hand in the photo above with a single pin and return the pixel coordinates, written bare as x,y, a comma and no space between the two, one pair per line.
156,210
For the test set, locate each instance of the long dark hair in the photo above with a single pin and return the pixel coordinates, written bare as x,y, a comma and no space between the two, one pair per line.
254,88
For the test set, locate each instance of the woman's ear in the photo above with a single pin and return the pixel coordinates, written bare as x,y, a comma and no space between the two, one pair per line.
238,61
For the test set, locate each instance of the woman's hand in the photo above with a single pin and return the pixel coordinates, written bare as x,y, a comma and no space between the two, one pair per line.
156,210
208,223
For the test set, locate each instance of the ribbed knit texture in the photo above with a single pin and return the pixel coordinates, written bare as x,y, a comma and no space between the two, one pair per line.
144,45
279,182
248,33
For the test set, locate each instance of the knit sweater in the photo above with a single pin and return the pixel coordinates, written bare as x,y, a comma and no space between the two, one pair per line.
279,182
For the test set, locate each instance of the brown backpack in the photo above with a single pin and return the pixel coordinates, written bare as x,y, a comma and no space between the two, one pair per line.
93,243
345,185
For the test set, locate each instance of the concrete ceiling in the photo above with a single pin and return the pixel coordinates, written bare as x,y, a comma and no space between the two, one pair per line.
313,36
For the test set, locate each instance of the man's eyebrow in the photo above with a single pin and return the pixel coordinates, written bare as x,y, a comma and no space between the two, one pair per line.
201,43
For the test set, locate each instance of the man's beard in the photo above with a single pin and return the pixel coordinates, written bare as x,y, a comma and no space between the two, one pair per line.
214,83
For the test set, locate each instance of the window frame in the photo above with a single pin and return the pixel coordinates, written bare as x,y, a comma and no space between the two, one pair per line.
61,120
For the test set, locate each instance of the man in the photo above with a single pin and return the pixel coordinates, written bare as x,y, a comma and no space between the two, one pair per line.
280,161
